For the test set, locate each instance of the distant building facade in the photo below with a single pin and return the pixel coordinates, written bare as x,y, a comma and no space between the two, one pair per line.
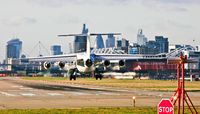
123,44
141,39
110,41
56,50
13,48
99,42
80,42
163,44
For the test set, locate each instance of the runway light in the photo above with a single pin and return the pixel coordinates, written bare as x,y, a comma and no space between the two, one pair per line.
133,98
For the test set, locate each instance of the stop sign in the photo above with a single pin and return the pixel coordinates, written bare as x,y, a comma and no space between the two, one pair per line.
165,106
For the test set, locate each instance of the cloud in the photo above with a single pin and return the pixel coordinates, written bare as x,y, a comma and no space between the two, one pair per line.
60,3
179,1
18,21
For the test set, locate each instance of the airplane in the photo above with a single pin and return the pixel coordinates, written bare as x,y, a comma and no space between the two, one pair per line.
81,62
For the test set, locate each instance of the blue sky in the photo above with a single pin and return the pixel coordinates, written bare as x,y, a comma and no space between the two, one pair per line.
43,20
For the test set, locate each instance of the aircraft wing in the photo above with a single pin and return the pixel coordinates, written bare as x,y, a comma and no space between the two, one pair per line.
55,58
124,56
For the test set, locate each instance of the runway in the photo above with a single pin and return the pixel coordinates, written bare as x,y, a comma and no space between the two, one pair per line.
22,94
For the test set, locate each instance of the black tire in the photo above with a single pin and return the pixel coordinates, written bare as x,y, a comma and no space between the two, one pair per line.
70,77
100,77
74,77
96,76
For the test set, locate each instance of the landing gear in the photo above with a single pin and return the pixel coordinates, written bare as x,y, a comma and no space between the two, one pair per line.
72,77
98,76
73,74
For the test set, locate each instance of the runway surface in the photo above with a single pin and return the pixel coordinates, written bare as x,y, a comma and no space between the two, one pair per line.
22,94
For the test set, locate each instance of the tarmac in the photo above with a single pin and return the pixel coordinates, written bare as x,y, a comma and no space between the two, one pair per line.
16,93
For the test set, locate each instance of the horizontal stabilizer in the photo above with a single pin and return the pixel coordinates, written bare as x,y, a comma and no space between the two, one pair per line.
72,35
91,34
95,34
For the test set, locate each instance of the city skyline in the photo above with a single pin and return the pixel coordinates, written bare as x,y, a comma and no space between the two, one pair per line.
42,20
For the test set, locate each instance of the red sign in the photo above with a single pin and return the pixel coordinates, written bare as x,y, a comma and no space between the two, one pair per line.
165,106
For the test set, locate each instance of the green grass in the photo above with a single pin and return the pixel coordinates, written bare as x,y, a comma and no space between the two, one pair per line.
158,85
121,110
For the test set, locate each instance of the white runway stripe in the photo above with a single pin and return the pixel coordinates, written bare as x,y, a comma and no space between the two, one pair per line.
25,88
7,94
28,94
16,86
55,94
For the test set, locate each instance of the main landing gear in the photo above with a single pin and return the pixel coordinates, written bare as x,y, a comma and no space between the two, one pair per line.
73,74
98,76
72,77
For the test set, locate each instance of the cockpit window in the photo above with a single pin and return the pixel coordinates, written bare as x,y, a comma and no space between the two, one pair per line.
80,62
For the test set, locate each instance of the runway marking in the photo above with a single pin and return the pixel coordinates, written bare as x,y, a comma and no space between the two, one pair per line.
107,93
7,94
25,88
28,94
79,93
55,94
17,86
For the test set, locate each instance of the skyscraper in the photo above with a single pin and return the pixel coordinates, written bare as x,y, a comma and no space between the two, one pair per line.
99,42
141,39
14,48
163,44
80,42
110,41
56,50
123,44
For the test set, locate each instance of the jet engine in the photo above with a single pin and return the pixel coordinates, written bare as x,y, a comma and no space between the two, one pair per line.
121,63
106,63
88,62
47,65
61,65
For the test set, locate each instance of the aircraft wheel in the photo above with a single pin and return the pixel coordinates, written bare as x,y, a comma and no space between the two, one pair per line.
74,77
100,77
70,77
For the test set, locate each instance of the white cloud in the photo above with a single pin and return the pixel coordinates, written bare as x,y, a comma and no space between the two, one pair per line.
18,21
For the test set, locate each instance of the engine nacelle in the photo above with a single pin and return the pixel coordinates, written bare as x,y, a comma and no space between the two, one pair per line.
61,65
121,63
47,65
88,63
106,63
